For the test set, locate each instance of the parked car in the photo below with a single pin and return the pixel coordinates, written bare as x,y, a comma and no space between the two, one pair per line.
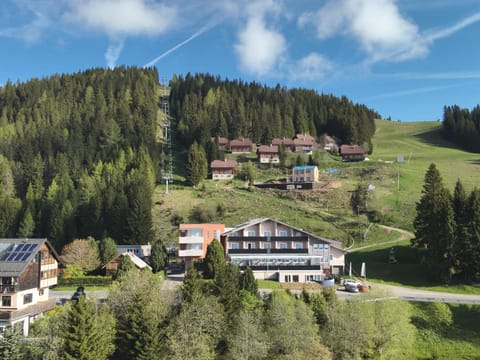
351,286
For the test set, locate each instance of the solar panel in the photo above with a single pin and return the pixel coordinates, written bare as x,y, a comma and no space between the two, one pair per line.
18,252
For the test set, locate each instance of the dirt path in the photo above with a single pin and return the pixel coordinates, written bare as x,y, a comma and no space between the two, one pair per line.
404,236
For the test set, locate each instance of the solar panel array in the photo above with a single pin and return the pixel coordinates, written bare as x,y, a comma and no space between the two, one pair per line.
18,252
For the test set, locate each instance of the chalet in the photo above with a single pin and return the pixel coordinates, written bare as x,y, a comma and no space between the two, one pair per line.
223,169
268,154
304,174
28,268
112,266
222,142
352,153
303,143
278,251
330,143
194,240
241,146
287,142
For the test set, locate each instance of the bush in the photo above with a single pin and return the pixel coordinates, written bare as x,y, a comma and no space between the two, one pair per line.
85,281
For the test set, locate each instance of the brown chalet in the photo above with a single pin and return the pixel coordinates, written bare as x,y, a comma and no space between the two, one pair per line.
287,142
28,268
268,154
222,142
352,153
239,146
303,143
223,169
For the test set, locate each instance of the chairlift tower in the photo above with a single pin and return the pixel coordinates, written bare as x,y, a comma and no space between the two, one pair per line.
167,166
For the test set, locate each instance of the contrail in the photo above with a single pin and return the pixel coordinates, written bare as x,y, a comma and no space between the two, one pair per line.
169,51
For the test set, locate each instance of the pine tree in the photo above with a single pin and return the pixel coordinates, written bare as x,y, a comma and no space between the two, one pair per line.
248,281
85,338
472,253
108,249
158,257
434,224
214,260
461,215
126,265
197,167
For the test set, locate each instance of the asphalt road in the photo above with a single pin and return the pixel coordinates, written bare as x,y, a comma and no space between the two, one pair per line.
387,292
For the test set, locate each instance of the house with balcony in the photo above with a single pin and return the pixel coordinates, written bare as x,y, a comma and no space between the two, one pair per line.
241,146
277,251
303,143
268,154
223,169
28,268
287,142
352,153
194,239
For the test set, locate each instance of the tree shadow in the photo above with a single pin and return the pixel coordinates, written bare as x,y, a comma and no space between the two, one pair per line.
435,138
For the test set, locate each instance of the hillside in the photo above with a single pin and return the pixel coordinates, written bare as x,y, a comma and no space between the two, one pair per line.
327,212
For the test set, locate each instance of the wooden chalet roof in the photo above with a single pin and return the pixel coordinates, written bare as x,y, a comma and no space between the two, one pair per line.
240,142
223,164
221,140
268,149
305,137
284,141
352,150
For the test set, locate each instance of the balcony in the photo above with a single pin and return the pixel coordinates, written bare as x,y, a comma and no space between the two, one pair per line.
268,251
190,240
265,238
5,289
188,253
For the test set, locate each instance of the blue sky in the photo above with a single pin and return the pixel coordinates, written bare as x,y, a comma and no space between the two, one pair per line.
403,58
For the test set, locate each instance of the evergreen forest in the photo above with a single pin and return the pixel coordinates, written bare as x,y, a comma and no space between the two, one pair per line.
78,156
462,127
205,106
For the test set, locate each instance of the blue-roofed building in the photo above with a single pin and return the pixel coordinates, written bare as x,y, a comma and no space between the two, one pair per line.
28,268
304,174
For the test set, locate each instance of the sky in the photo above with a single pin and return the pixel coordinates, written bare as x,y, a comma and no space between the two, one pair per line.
406,59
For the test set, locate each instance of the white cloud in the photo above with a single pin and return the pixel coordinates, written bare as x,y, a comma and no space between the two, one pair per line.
260,48
113,53
446,32
122,17
311,67
383,33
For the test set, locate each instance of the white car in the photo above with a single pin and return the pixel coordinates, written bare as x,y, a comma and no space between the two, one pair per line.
351,286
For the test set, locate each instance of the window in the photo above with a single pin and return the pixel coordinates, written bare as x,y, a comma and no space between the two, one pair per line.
267,233
298,246
41,292
326,246
331,257
267,245
287,278
282,245
299,233
251,233
251,246
27,298
315,246
6,301
234,245
282,233
295,278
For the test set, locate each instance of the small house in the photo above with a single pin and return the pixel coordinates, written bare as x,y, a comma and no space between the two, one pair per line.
223,169
268,154
303,143
286,142
304,174
241,146
352,153
112,266
222,142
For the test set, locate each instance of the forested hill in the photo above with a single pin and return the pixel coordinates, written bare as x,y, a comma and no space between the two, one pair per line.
462,127
77,155
205,106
